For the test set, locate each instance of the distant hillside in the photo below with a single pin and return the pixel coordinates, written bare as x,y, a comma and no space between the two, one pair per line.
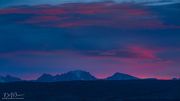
121,76
69,76
76,75
9,78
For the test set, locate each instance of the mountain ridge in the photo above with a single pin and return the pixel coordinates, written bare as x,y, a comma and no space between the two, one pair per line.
68,76
76,75
9,78
121,76
82,76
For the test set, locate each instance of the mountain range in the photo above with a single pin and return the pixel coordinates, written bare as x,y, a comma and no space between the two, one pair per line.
76,75
70,76
82,75
9,78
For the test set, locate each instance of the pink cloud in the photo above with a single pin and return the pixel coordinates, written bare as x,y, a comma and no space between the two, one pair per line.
143,52
42,19
34,53
147,64
131,52
125,16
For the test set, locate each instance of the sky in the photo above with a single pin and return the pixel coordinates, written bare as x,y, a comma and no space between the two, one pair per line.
104,37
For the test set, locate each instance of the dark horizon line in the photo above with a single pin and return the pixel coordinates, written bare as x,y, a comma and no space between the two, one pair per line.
59,74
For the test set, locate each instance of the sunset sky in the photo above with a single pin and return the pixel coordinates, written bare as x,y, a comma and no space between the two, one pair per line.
100,36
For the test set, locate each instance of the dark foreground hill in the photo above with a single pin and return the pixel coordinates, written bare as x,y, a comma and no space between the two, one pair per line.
137,90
